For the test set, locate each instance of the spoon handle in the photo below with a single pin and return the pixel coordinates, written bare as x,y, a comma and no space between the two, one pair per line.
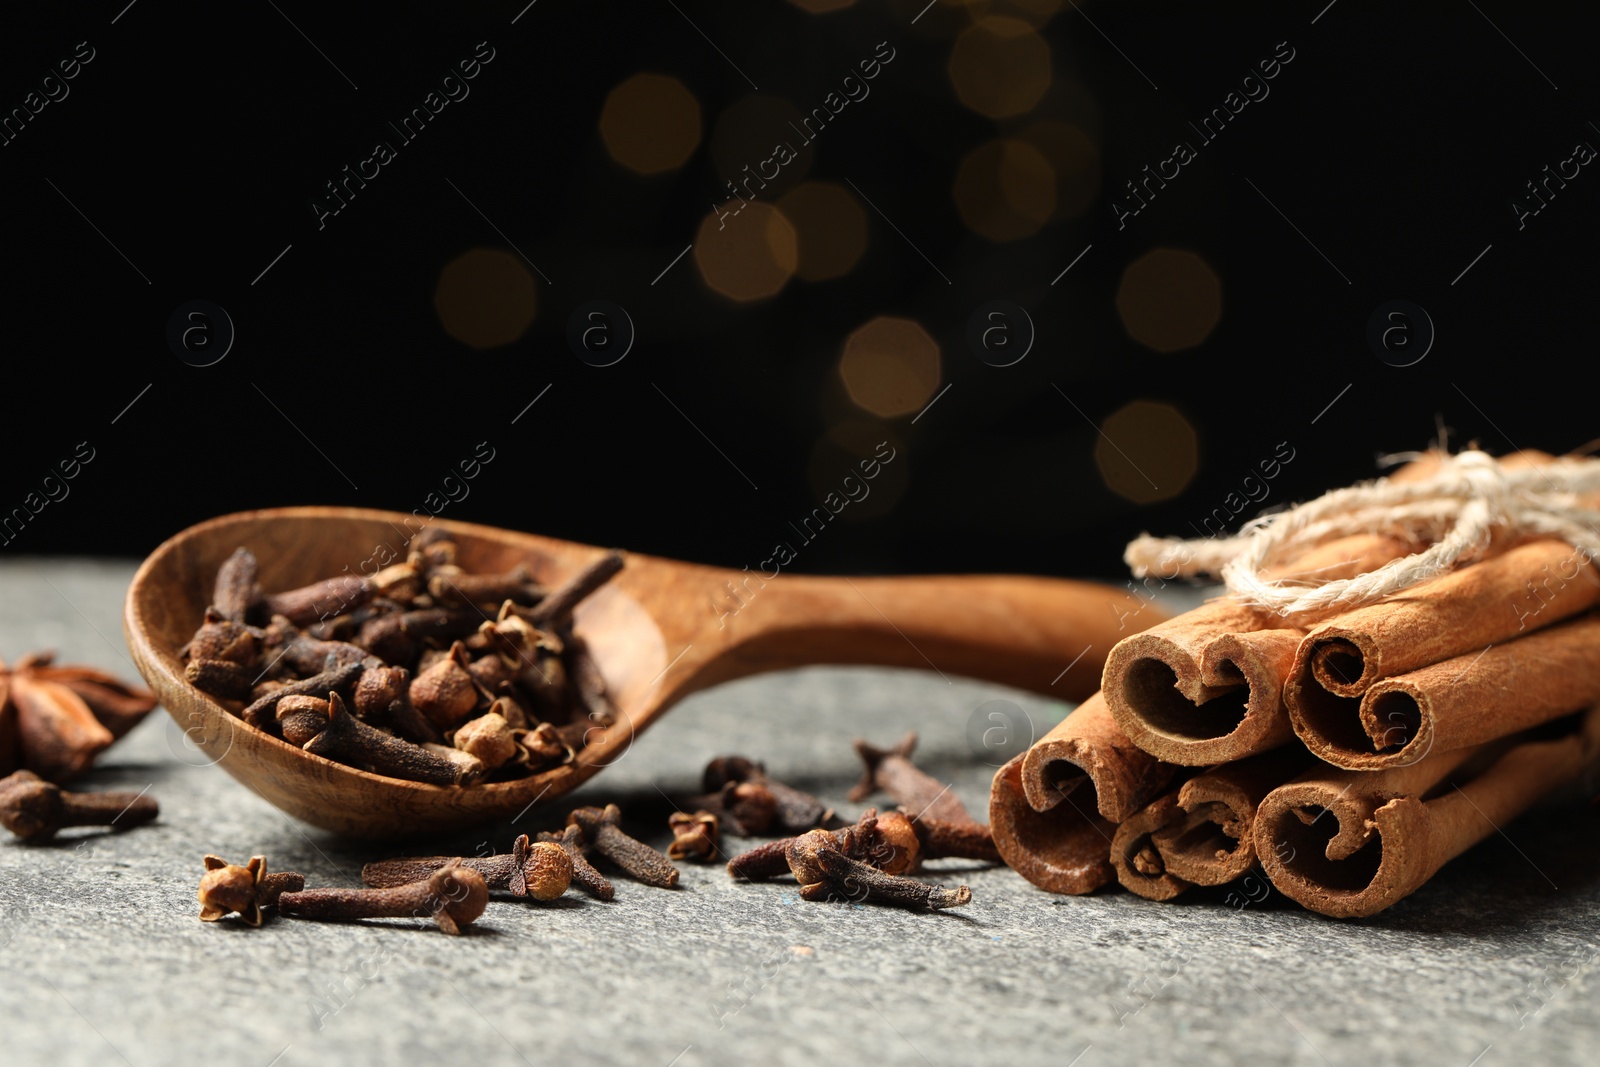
1047,635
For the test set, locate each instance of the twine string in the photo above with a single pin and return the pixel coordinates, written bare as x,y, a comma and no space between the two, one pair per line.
1457,513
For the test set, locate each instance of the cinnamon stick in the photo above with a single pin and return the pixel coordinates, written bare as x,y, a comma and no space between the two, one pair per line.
1087,754
1486,693
1494,602
1052,809
1508,596
1211,841
1206,687
1138,861
1066,850
1202,832
1352,843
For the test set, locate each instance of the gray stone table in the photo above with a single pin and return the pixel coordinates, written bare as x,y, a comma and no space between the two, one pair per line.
105,962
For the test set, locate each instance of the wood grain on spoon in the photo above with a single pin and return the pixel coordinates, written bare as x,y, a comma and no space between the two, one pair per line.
659,631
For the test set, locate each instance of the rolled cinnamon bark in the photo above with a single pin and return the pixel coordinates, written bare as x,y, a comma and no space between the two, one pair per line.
1490,603
1138,861
1053,809
1489,692
1065,850
1088,761
1351,843
1201,833
1211,840
1206,687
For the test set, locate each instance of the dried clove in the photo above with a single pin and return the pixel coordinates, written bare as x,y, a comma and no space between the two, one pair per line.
410,652
584,875
543,747
347,739
795,810
236,591
603,833
891,770
453,896
749,808
555,609
220,637
694,837
321,600
826,873
300,718
262,713
541,870
446,692
489,738
465,589
888,842
590,683
220,677
34,809
226,888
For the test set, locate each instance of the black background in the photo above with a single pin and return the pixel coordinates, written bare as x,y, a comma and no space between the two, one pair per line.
197,137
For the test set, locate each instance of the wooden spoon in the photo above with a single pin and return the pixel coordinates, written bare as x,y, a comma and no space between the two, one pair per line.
659,631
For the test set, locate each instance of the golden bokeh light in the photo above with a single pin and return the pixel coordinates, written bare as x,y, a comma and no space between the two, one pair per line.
762,146
486,298
1147,452
1169,299
651,123
890,366
821,7
832,229
1005,190
1075,160
750,255
1000,66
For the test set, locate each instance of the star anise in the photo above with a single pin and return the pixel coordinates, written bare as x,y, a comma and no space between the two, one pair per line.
55,720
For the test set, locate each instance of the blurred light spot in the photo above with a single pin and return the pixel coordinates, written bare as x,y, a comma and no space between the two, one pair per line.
1146,452
822,7
863,464
1169,299
760,145
1000,67
1075,160
890,366
749,255
485,298
650,123
1005,190
832,229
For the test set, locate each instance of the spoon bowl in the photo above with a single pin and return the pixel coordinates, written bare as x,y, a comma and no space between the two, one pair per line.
659,631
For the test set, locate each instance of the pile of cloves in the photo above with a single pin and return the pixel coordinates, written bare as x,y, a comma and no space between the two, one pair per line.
868,860
422,671
451,890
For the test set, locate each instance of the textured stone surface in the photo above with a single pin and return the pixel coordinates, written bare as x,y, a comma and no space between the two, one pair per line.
105,960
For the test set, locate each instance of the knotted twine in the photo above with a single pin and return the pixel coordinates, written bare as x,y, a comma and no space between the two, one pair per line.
1457,512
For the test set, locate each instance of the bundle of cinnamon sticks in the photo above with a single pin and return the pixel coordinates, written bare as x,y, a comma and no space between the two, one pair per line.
1351,754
